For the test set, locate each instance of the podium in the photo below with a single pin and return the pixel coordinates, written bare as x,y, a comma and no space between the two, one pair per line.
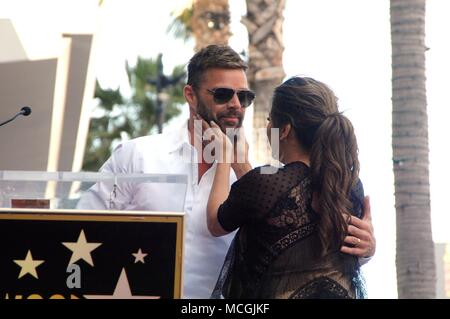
53,249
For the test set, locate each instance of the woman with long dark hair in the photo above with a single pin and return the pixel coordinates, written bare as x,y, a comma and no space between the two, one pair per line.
293,222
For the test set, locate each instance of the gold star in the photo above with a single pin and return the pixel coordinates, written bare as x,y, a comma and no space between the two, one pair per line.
28,265
122,290
139,256
81,249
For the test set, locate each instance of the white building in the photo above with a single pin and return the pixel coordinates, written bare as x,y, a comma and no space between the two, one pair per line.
46,55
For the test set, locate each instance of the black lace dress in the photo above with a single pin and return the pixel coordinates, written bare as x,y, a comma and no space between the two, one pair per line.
275,253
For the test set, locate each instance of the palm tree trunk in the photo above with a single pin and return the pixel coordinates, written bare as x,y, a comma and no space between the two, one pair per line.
416,273
264,21
210,22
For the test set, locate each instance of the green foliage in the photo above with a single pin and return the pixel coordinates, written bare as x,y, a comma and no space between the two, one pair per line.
181,24
132,116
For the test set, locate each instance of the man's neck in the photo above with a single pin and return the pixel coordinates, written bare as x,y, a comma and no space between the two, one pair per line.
191,131
202,165
202,169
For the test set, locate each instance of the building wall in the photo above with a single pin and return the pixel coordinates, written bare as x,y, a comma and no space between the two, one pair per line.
24,143
76,90
57,88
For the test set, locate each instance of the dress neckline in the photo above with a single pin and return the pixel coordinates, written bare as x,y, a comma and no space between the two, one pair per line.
297,163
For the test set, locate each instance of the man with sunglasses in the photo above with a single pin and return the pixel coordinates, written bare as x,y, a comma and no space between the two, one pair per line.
217,90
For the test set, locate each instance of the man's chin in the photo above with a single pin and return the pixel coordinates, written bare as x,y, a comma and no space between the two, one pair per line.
230,124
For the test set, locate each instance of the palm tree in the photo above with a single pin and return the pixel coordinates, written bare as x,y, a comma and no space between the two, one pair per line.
180,26
134,116
211,22
205,20
264,21
416,273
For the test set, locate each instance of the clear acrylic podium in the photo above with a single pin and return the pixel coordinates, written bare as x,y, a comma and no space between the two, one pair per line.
54,247
63,190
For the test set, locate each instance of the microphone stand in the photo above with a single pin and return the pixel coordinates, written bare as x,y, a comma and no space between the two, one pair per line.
11,119
25,111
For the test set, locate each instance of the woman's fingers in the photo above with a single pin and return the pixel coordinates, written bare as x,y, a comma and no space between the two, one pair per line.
359,233
355,251
352,240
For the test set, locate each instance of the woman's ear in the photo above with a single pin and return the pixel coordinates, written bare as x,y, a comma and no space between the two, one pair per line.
284,131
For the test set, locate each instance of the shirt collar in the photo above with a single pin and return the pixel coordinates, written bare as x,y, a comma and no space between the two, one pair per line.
178,138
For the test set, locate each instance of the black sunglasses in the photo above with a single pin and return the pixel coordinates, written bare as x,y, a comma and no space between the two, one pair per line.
224,95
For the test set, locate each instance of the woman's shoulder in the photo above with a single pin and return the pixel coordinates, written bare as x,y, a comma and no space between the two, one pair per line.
258,174
262,176
270,170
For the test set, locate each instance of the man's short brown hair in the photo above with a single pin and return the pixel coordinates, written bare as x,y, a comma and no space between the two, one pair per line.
213,56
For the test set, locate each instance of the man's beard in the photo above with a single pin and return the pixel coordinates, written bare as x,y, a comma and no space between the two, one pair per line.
220,118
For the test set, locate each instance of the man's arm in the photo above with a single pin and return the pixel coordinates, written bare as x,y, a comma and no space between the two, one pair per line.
361,236
99,195
104,195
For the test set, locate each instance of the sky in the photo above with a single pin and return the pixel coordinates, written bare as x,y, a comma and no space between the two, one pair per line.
345,44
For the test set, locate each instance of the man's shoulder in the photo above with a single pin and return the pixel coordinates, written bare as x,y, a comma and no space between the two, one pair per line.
154,146
143,142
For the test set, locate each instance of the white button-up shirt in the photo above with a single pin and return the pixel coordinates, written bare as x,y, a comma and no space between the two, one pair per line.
169,153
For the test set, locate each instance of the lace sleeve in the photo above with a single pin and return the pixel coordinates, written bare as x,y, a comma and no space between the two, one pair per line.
250,197
238,206
254,194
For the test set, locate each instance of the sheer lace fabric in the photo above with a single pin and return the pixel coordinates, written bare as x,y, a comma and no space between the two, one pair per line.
275,253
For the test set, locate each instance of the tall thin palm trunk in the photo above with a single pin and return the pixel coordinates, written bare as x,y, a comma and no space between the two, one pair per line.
210,22
416,273
264,21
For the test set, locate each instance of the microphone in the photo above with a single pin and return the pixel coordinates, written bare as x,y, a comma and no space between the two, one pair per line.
25,111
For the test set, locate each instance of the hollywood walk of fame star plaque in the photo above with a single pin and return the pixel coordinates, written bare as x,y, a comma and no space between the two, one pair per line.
90,254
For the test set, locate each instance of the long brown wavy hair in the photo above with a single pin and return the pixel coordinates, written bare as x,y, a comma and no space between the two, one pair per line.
328,136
